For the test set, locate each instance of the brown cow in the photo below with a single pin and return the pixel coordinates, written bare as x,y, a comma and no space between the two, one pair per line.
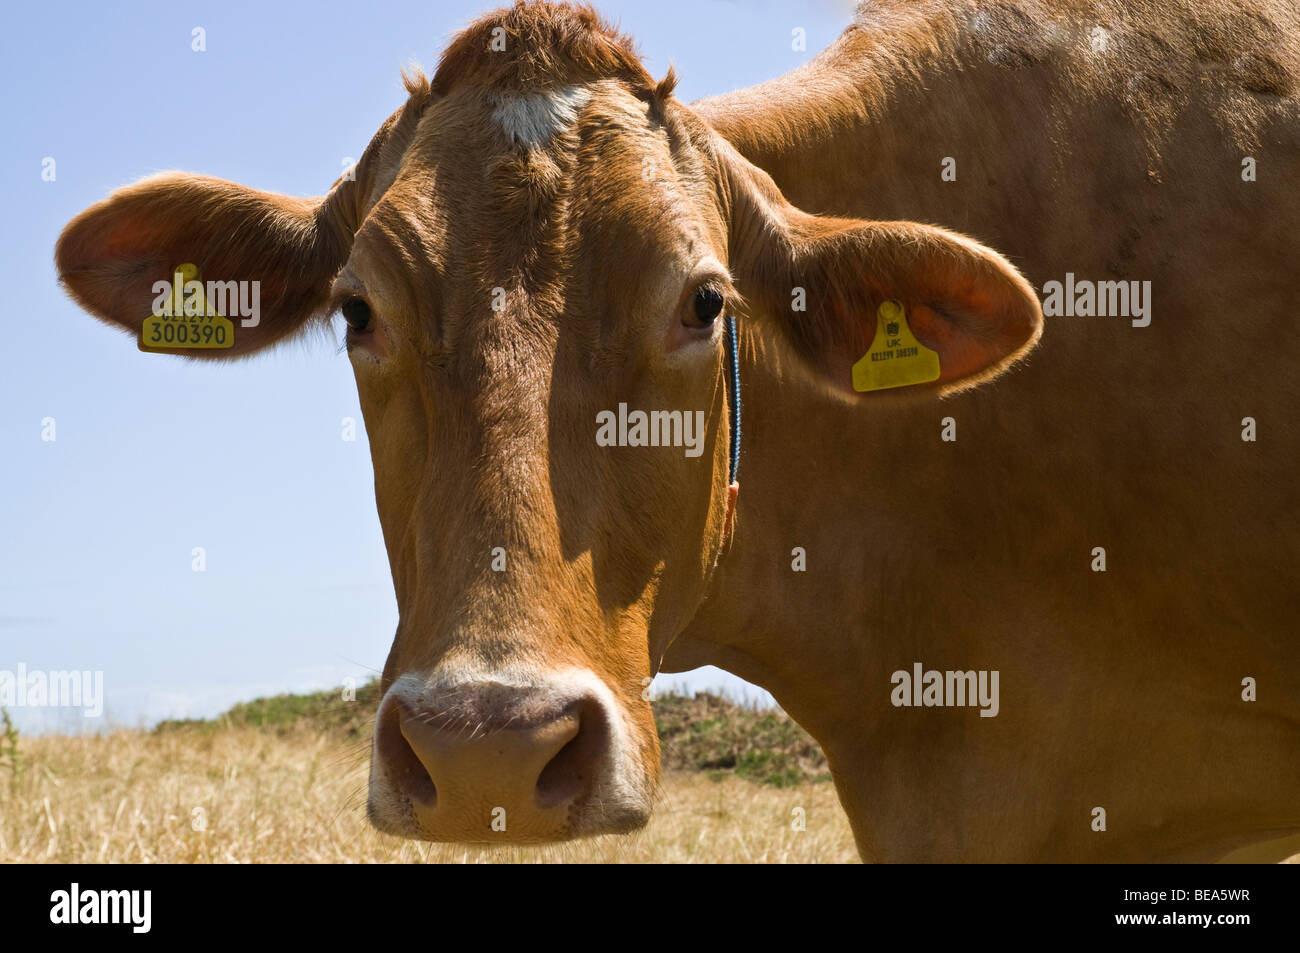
543,235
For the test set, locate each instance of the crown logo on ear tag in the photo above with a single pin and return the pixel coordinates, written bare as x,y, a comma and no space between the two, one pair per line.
896,358
182,318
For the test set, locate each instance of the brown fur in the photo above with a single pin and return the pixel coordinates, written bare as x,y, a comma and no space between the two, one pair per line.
1119,688
1128,683
544,45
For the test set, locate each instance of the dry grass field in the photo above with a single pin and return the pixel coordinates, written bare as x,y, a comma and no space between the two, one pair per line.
283,780
234,792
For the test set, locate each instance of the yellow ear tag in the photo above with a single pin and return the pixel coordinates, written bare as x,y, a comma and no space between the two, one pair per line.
896,358
183,319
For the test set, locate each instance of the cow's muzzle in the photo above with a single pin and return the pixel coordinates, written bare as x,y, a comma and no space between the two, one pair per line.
503,761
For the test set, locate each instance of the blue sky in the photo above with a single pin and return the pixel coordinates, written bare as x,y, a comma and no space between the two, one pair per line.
154,456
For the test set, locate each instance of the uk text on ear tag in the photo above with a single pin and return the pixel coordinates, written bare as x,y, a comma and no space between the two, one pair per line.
182,318
896,358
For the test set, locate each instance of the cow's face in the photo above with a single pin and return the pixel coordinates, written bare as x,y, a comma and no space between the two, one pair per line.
540,259
535,253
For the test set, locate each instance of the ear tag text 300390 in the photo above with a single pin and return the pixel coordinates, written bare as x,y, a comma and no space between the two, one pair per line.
183,319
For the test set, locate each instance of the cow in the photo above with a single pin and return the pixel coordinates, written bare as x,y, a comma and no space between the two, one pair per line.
1100,545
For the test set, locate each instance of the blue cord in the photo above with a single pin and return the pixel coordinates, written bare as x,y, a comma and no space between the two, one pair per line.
733,393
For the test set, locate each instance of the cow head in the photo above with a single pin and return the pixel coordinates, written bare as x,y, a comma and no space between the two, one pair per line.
541,234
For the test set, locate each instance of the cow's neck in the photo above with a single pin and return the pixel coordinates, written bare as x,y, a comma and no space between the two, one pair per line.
976,554
836,575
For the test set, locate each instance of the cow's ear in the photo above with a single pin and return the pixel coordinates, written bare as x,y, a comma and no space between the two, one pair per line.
112,256
876,307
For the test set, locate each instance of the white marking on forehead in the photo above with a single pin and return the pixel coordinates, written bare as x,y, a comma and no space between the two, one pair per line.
531,119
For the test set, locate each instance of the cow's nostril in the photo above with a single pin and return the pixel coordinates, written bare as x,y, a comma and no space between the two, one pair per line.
403,765
569,774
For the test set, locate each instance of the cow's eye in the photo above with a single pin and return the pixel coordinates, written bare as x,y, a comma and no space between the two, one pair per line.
705,306
357,314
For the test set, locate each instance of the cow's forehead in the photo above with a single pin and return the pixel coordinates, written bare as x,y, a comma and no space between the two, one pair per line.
474,129
542,158
496,169
533,118
532,45
518,79
551,117
504,187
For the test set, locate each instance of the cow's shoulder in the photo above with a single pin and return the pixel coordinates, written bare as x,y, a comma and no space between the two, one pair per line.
1251,44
